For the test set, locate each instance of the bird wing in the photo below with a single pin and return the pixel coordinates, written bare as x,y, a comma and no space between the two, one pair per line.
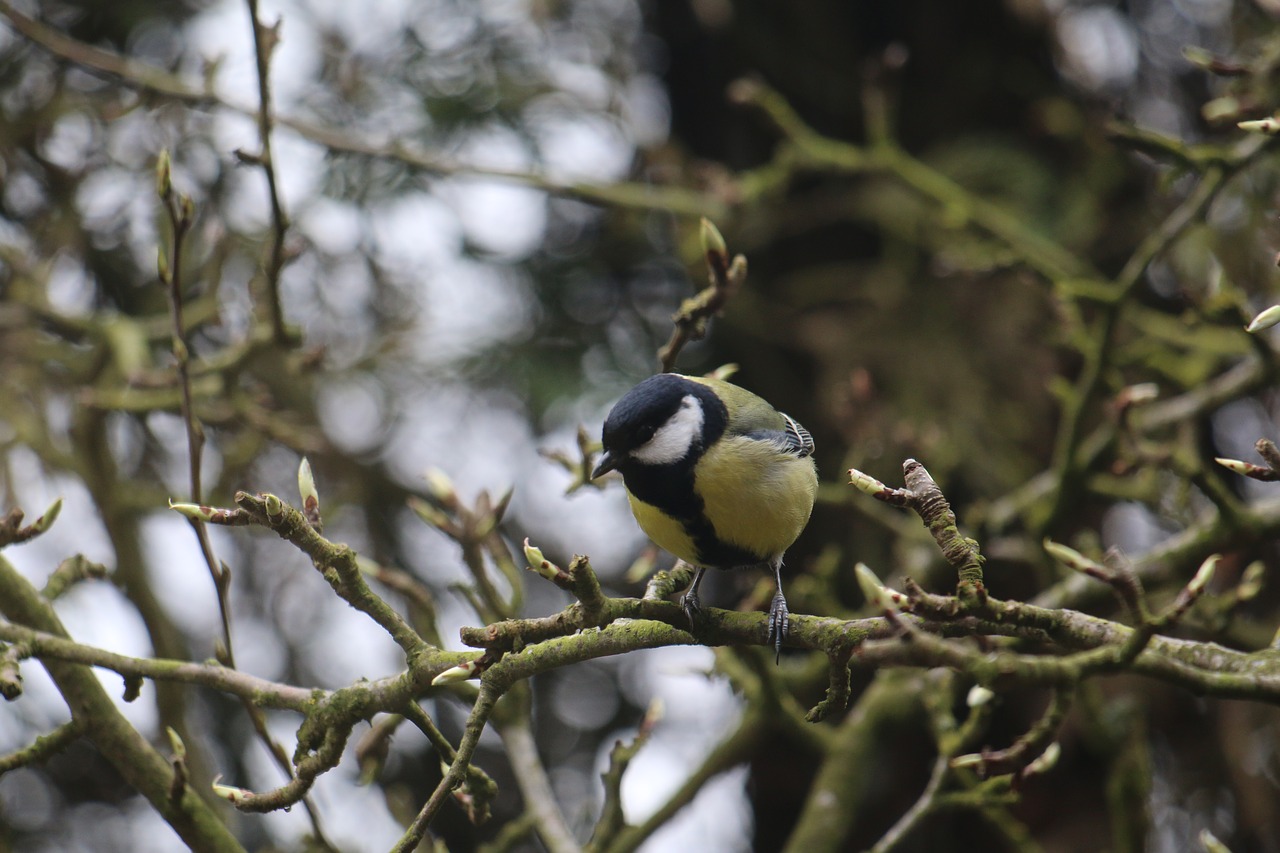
792,439
753,417
799,441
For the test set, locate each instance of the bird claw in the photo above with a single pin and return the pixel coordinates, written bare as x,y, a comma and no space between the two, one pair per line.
692,607
779,623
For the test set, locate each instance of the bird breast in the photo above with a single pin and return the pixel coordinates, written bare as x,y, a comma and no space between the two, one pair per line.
757,497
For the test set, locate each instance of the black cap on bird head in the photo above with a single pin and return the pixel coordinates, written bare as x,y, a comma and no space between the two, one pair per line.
649,407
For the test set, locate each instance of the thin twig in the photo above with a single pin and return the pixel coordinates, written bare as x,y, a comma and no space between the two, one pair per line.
419,717
270,694
43,747
140,75
264,41
1097,357
731,750
181,212
912,817
808,149
691,320
535,786
476,722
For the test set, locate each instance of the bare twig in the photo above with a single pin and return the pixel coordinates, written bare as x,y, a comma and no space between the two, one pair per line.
336,562
479,717
692,318
264,41
269,694
923,805
43,747
141,75
728,752
1066,466
1026,748
12,530
137,762
806,149
181,213
535,786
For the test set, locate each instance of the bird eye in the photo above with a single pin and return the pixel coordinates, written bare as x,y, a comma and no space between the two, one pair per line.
645,433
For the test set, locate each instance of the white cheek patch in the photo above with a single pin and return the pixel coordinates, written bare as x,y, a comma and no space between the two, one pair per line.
673,439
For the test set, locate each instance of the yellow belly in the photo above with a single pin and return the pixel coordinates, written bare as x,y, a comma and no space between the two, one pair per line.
756,499
667,533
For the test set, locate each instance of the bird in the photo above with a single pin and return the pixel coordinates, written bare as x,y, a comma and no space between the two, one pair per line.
715,475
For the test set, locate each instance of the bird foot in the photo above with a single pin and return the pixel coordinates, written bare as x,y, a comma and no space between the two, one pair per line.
779,623
692,607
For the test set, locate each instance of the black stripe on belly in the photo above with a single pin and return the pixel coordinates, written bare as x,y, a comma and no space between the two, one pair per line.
716,554
670,489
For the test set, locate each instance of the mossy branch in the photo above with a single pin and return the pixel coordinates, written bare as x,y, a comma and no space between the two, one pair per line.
97,718
336,563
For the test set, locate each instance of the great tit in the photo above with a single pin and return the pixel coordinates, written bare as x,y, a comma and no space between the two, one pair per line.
715,475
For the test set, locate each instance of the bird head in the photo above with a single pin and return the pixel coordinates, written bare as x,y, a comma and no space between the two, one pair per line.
662,421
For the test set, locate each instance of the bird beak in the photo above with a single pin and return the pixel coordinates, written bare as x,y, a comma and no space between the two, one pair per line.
607,463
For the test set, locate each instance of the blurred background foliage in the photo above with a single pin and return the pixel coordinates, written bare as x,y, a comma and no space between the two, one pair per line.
493,211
